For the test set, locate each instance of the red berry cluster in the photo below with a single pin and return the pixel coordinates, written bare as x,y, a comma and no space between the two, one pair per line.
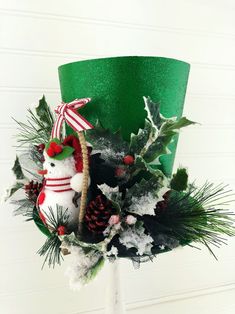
54,149
98,213
33,189
121,171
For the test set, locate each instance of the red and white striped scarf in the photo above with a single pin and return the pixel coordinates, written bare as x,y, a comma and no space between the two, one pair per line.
58,184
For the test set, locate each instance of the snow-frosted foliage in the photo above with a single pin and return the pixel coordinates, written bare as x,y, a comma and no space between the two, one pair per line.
107,190
112,252
135,237
143,205
79,272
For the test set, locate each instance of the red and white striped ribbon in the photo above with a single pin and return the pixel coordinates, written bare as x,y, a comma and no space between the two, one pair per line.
68,112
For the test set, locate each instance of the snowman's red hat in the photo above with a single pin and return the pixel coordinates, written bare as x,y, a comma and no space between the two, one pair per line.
73,141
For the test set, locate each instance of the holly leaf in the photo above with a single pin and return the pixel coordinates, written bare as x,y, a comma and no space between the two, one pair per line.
171,125
141,164
166,135
66,152
153,113
145,186
13,189
17,170
92,272
56,140
139,140
39,223
43,112
159,147
106,141
179,181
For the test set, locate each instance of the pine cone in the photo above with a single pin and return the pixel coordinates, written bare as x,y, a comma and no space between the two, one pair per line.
98,213
32,190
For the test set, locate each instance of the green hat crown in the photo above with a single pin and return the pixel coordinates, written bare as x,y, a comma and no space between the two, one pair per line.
117,86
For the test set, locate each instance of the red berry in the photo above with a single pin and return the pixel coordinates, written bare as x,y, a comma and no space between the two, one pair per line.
53,144
58,149
50,152
128,160
120,172
61,230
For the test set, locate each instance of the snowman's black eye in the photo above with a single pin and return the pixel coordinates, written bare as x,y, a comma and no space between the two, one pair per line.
52,164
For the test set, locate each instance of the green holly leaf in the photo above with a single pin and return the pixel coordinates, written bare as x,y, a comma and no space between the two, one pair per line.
39,223
54,140
66,152
104,140
171,125
95,268
179,181
43,112
141,164
159,147
145,186
18,172
139,140
166,135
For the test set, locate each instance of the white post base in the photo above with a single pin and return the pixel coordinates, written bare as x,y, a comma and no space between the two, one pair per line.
114,294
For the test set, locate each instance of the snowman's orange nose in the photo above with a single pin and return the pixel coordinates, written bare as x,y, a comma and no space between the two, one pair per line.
42,172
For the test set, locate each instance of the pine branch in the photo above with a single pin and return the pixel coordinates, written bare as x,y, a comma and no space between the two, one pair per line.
38,128
195,216
51,250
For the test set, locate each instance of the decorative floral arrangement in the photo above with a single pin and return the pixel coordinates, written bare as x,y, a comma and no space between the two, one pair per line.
99,198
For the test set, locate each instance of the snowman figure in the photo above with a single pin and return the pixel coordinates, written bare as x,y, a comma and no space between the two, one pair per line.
62,170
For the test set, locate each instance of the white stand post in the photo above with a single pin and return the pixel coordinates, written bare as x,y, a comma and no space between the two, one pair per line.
114,293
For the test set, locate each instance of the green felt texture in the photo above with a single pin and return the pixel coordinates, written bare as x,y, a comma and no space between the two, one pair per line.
117,86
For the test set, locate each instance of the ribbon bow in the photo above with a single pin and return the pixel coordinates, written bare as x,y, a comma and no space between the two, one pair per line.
67,112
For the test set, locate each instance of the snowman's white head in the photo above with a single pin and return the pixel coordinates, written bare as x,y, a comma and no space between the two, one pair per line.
59,168
63,159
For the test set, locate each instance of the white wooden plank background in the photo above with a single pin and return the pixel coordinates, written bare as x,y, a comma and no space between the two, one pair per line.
35,38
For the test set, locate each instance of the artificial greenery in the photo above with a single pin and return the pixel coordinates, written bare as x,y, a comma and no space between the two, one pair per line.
165,212
38,127
51,248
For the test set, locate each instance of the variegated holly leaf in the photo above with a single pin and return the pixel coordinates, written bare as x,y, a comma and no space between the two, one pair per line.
166,135
141,164
171,125
144,136
153,113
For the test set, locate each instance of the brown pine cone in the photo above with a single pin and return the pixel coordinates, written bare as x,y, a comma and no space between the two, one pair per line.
98,213
32,190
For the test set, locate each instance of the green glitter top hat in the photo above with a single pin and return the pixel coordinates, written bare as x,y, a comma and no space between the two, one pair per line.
117,86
